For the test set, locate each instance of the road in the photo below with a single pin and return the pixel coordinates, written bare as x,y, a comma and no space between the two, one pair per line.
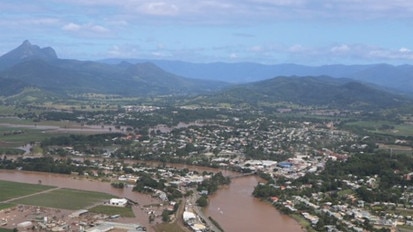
200,213
179,220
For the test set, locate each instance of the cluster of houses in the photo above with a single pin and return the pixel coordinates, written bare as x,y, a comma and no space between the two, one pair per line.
351,215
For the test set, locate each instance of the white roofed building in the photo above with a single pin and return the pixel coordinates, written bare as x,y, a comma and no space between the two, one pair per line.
122,202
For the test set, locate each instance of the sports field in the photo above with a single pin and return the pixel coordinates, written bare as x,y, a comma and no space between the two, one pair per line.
65,199
11,190
41,195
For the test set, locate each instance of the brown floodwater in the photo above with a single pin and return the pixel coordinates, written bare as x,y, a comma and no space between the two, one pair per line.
76,182
234,208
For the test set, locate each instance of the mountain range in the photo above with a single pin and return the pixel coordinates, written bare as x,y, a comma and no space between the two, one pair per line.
31,67
40,67
341,93
396,78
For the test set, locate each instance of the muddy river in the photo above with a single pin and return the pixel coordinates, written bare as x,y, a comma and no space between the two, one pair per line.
232,206
235,209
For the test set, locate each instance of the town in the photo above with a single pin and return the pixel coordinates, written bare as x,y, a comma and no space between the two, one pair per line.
293,156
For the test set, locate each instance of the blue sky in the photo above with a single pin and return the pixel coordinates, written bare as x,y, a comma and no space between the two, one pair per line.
312,32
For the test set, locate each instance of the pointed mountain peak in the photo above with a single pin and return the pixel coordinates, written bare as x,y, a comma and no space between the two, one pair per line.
26,51
26,43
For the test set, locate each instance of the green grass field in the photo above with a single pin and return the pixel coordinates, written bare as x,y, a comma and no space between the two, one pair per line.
17,132
5,230
10,151
21,136
10,190
113,210
6,205
379,127
65,199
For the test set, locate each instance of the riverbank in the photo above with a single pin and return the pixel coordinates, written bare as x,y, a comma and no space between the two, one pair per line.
235,209
199,211
233,206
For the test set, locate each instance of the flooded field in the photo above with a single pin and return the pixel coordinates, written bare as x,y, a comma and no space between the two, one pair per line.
232,206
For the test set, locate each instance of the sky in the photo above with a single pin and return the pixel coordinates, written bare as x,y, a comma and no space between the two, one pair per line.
309,32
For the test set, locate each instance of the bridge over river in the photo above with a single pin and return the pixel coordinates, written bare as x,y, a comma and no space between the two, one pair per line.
240,175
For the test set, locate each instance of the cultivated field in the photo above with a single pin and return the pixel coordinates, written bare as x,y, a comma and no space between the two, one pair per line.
384,127
15,132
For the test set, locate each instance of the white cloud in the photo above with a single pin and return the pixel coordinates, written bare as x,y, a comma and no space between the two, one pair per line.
159,8
98,29
340,49
234,11
367,9
73,27
404,50
271,29
124,51
160,54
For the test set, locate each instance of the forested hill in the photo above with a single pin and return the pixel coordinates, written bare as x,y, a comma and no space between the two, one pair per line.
11,87
316,91
398,78
41,68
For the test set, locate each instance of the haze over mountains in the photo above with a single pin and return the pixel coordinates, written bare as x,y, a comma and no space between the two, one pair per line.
31,66
397,78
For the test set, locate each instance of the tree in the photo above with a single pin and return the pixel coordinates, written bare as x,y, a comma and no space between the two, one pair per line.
165,215
202,201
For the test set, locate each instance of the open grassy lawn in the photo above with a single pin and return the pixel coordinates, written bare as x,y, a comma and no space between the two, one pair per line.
113,210
5,230
15,136
65,199
10,190
6,205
